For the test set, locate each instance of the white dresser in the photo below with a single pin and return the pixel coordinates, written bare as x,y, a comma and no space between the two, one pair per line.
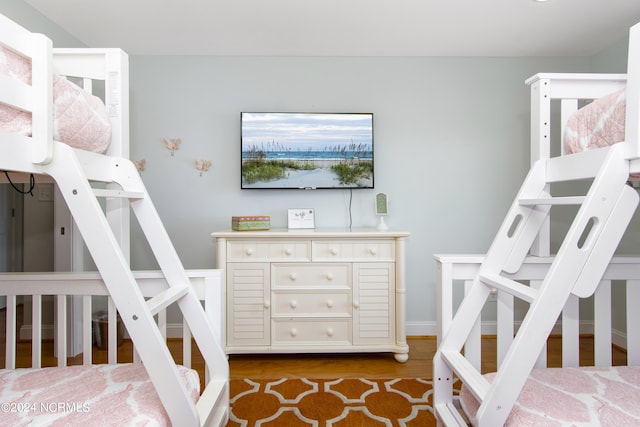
314,291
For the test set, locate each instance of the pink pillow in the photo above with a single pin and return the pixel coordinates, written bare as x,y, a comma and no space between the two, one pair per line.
599,124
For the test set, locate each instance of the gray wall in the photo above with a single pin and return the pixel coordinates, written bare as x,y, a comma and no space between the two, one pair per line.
451,145
28,17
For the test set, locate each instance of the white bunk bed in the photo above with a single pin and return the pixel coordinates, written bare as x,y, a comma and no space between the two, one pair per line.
37,106
534,293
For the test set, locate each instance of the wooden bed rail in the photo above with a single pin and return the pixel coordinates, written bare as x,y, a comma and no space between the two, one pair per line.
620,286
85,285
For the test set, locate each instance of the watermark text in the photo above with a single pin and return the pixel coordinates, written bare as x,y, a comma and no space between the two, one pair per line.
44,407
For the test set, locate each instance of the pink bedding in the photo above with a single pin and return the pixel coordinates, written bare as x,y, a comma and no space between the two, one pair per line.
104,395
598,124
80,119
584,396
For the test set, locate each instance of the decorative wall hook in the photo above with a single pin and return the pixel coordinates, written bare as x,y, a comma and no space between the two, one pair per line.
139,164
202,165
172,144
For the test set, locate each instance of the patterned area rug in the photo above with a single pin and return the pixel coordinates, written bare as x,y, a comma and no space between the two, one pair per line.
297,402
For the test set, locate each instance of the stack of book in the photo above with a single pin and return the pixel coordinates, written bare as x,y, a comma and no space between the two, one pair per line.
247,223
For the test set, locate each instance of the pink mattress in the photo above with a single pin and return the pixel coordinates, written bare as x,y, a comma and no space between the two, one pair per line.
104,395
585,396
80,119
598,124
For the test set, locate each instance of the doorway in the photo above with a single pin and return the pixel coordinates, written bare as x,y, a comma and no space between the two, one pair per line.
11,237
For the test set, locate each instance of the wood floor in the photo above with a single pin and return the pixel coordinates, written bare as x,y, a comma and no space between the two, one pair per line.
368,365
419,365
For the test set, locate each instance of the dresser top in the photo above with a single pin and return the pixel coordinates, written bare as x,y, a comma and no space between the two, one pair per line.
369,233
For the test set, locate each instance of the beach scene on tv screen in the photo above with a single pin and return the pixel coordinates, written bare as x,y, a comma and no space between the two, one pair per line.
296,150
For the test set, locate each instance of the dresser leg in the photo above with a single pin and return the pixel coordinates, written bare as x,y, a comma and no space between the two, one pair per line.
401,357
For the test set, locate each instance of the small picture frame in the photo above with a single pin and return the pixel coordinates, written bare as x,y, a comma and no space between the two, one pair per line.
301,218
382,208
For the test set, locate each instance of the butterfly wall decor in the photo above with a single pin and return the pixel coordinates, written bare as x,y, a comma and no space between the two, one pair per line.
139,164
203,165
172,144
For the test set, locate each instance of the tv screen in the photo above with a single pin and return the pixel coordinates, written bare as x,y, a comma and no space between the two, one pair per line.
307,150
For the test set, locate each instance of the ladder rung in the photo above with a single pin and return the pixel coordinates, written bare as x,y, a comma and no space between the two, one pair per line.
100,192
212,397
449,415
570,200
525,293
166,298
470,376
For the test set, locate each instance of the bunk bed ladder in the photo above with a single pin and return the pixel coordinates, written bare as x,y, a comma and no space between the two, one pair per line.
72,171
588,246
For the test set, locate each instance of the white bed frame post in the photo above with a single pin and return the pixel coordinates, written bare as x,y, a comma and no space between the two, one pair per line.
632,124
42,83
117,101
541,148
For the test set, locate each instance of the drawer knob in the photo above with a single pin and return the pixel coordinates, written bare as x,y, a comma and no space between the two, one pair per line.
329,332
333,251
249,251
288,251
373,251
330,303
293,332
293,303
329,276
293,276
267,304
356,304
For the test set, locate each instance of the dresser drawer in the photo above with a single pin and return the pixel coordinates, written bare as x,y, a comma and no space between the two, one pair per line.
353,250
319,276
307,304
311,331
251,251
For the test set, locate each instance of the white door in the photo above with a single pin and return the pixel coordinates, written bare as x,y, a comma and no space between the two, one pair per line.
5,232
68,246
5,228
10,241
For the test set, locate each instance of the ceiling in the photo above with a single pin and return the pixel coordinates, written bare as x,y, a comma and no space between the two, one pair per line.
346,27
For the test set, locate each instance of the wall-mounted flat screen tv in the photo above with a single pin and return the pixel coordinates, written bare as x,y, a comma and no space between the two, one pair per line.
307,150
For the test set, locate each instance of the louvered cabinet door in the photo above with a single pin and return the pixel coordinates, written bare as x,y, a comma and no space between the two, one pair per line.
248,306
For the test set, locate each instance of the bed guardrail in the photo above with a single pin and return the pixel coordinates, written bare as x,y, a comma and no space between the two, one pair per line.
617,294
85,286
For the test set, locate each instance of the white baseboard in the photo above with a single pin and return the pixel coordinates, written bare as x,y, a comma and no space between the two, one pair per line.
421,329
428,329
26,332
